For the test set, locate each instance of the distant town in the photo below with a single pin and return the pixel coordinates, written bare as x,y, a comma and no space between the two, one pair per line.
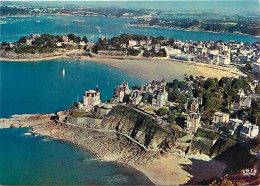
194,21
245,56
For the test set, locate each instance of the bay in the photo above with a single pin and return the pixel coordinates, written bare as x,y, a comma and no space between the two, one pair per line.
40,87
17,27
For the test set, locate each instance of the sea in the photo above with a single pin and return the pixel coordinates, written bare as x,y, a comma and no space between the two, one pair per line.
40,87
17,27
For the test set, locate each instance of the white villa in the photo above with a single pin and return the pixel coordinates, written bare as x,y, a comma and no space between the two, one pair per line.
249,131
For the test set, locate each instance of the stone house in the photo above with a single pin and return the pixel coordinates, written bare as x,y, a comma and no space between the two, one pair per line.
220,119
192,122
245,101
193,104
160,97
135,98
91,98
121,92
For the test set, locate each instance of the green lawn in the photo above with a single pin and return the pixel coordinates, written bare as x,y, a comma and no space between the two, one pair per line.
77,114
149,109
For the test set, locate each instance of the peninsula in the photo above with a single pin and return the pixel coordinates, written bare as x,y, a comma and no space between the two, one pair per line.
230,26
141,55
169,131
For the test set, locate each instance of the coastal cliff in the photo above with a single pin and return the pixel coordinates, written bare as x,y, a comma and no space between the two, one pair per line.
138,126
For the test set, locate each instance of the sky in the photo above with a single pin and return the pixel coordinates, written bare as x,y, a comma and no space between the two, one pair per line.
138,0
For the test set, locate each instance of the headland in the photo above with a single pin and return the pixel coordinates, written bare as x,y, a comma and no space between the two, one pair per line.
110,146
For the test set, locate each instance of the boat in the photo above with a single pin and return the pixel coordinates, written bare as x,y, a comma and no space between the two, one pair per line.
38,21
78,20
63,72
92,36
97,27
2,22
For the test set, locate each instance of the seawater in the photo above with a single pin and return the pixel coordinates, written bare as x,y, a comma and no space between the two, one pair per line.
16,27
40,87
29,160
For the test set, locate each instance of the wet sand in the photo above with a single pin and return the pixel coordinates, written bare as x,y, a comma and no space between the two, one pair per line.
153,68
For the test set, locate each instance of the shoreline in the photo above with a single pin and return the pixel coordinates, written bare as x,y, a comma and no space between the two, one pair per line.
30,59
132,25
110,147
151,68
155,26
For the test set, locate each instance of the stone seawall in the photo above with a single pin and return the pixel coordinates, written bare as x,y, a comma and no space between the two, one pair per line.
85,121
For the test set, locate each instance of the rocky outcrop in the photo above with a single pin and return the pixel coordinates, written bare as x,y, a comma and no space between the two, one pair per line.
138,126
107,145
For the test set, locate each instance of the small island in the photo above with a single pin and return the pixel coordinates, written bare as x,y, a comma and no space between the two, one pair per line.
160,124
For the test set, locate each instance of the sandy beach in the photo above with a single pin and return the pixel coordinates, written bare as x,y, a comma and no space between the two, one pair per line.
153,68
169,69
30,59
174,170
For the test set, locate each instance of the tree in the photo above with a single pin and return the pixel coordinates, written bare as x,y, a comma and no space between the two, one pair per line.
248,67
177,97
85,39
161,53
171,118
251,78
210,84
257,89
74,38
59,38
133,52
78,39
22,40
160,38
175,83
162,111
